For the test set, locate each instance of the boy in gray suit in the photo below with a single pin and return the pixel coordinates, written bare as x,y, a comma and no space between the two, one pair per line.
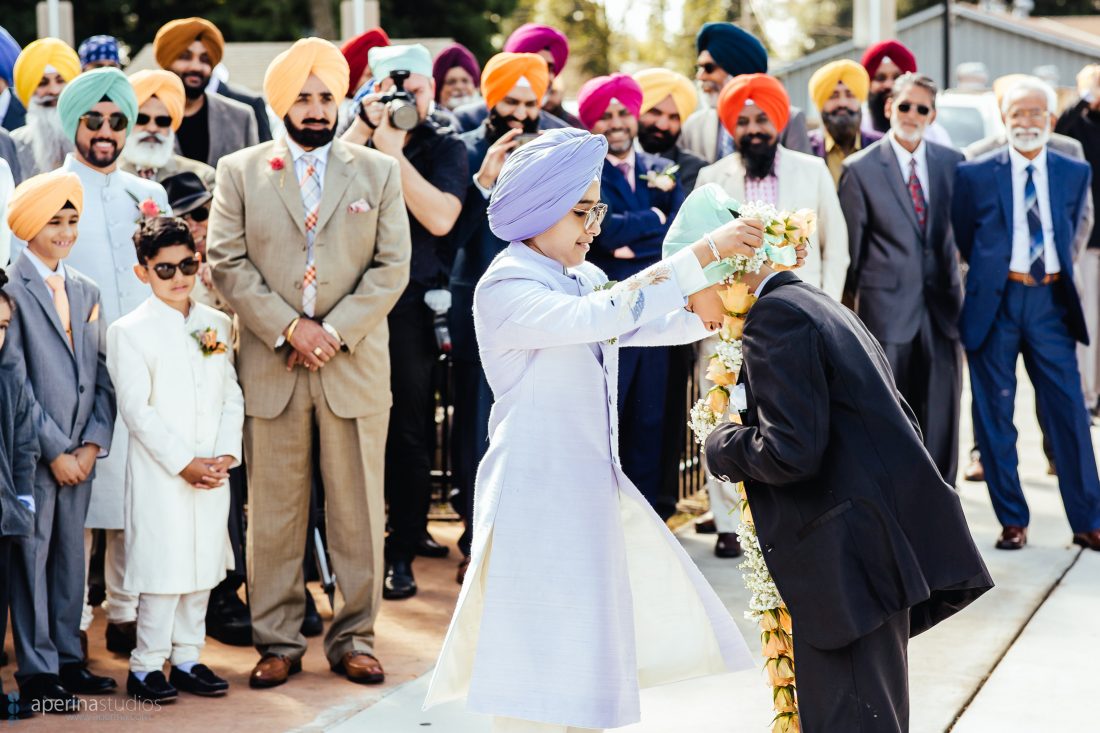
55,347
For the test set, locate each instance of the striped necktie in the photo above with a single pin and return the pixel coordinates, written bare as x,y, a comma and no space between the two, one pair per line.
311,201
916,192
1038,268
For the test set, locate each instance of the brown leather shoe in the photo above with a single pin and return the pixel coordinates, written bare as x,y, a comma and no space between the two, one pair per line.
974,470
1088,540
1012,538
463,566
273,670
361,667
727,545
706,526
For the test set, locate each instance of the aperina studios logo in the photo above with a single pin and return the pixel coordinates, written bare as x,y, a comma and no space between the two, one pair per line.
99,708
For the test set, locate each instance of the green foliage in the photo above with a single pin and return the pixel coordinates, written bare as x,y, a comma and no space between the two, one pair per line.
584,22
473,23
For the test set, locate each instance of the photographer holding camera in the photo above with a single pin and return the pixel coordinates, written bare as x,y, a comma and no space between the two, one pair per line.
394,118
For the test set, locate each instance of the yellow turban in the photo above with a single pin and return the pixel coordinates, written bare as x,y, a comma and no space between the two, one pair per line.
38,199
657,84
823,82
176,35
503,72
288,73
32,63
165,86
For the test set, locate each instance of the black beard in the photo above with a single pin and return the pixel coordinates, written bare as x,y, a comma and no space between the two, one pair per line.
309,138
496,125
758,154
842,126
655,141
876,104
94,160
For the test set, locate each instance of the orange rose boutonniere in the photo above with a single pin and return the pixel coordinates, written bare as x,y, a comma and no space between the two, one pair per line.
208,342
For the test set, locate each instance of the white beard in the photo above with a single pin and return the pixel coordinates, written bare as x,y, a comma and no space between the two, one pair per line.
909,137
48,141
143,154
1029,139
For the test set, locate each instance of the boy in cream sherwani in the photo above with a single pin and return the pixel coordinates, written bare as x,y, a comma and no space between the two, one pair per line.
179,396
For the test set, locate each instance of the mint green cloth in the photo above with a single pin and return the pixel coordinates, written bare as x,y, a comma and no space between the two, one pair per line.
705,209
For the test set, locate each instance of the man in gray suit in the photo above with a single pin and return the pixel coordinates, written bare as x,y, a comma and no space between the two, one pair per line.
903,280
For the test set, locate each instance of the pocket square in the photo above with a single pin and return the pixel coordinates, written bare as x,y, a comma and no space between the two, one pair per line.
358,207
94,314
738,399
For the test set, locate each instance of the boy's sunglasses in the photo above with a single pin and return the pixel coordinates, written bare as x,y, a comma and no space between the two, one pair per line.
94,120
166,271
161,120
922,109
200,214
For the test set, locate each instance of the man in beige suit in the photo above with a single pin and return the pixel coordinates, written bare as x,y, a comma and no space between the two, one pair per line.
309,243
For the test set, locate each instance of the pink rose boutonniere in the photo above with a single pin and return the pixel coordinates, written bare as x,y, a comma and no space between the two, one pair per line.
276,164
147,209
208,342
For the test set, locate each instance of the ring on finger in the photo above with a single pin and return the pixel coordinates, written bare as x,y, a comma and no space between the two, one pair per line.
318,352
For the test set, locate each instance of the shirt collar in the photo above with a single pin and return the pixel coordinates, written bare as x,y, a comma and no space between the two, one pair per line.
166,310
559,271
631,159
904,154
40,266
830,144
296,152
763,284
90,176
1020,163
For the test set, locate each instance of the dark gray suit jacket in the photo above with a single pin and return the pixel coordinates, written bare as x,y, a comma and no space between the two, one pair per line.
73,399
896,270
232,127
10,154
259,108
16,116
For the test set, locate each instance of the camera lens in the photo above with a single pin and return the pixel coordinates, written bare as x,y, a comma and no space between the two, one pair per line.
403,115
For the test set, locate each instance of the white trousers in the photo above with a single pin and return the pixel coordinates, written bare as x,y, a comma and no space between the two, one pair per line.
723,494
169,627
514,725
121,607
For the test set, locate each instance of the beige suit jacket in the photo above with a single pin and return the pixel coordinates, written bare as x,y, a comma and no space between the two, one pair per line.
177,164
257,249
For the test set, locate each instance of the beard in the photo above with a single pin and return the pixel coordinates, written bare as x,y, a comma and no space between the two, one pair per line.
1029,139
308,138
758,154
87,152
453,103
843,126
656,141
497,125
876,105
149,150
199,80
49,143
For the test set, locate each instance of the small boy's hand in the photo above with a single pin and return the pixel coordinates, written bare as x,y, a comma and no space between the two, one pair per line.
204,473
86,456
66,470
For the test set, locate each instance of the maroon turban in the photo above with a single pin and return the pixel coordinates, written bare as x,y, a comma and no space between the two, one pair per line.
532,38
596,95
355,50
892,50
450,57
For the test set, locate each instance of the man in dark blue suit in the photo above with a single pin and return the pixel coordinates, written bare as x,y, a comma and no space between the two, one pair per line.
1016,213
641,204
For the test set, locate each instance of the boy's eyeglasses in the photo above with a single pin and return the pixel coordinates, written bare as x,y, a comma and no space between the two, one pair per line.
160,120
167,271
592,217
94,120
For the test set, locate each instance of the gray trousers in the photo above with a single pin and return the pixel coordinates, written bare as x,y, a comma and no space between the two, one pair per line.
47,579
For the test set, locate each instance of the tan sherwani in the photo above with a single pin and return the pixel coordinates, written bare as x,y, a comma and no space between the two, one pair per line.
257,248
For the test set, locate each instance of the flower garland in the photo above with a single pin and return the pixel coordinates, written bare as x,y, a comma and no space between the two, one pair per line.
782,231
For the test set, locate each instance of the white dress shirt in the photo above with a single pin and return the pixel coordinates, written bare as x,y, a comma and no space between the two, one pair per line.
904,157
40,266
1021,235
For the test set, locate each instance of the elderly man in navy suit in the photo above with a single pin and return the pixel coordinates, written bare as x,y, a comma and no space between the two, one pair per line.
642,202
1016,213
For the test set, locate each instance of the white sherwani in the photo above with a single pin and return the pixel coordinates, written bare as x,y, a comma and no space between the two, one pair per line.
577,594
177,405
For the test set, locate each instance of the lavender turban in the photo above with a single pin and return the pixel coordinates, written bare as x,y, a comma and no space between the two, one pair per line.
543,180
532,38
450,57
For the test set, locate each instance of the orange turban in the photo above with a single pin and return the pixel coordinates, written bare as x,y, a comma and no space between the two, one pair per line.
289,71
176,35
31,64
165,86
38,199
505,70
766,92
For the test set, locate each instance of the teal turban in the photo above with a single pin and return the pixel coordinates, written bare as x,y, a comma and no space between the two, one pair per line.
705,209
384,59
88,89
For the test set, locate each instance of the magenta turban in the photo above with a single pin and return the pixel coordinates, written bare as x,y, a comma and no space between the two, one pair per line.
532,38
450,57
596,95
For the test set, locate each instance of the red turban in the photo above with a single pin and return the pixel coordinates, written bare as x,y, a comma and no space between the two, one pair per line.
532,38
355,50
766,92
596,95
892,50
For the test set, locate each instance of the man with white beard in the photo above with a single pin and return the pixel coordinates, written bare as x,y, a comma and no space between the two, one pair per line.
41,72
150,150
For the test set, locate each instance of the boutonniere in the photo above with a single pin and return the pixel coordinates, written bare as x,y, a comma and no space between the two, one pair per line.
278,164
664,180
147,209
208,342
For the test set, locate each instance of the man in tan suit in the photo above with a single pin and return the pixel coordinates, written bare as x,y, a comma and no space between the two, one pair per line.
309,242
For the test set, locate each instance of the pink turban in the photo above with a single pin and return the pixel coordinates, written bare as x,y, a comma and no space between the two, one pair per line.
893,50
532,38
596,95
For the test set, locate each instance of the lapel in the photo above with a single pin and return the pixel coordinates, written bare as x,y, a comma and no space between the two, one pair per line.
285,182
36,286
615,178
643,164
75,291
1056,197
1002,174
786,173
733,176
896,181
337,179
711,133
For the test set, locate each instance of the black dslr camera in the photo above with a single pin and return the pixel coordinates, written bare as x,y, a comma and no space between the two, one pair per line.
401,105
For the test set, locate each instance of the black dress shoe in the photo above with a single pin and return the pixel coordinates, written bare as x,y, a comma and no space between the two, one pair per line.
399,582
121,638
428,547
44,694
727,545
228,620
79,680
154,688
706,526
201,681
312,625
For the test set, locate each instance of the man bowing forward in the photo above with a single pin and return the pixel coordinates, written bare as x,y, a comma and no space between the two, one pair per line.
309,240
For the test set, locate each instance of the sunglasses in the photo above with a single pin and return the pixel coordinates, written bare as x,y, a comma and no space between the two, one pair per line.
161,120
922,109
94,120
708,67
166,271
200,214
592,217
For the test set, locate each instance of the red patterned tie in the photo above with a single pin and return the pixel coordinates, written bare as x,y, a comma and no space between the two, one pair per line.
917,193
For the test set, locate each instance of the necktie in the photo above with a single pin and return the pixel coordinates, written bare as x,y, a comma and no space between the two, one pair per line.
149,173
1038,267
624,168
56,284
917,193
311,201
